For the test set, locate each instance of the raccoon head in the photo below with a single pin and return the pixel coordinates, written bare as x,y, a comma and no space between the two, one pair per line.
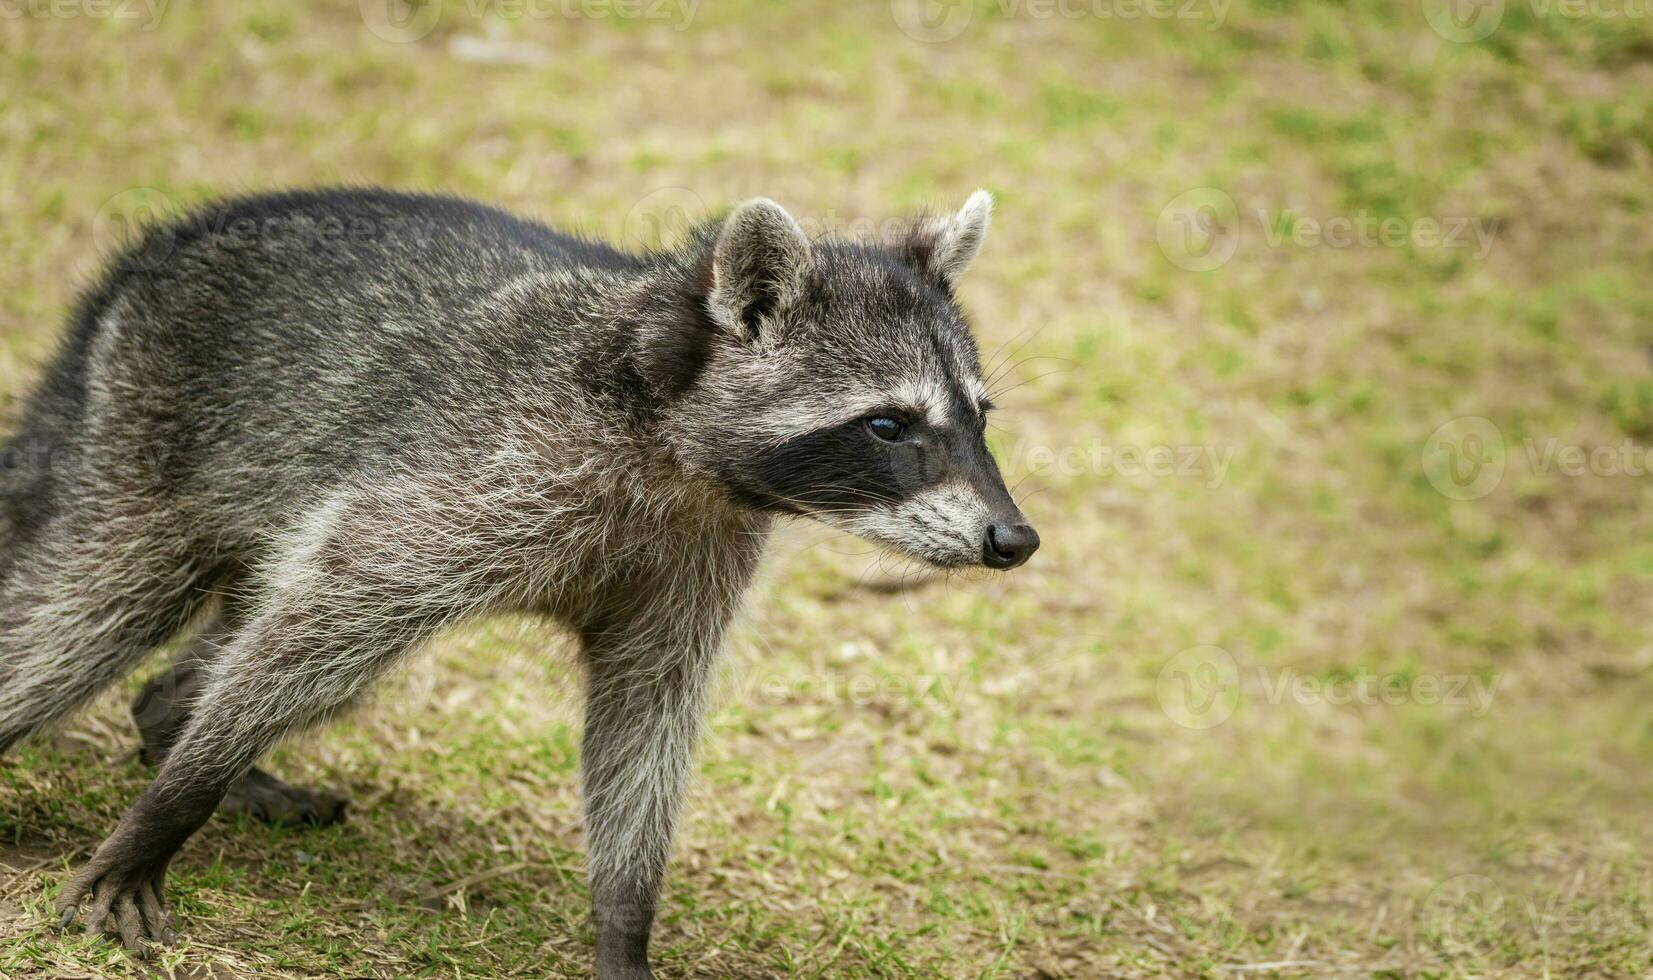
839,382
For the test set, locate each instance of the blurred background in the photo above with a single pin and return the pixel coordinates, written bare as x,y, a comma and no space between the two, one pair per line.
1324,339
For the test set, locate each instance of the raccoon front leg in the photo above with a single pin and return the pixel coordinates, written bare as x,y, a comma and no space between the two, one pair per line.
645,699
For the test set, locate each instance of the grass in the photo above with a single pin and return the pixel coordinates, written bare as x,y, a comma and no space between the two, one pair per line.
1278,696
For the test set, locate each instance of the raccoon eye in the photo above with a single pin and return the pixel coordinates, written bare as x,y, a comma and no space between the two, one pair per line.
886,428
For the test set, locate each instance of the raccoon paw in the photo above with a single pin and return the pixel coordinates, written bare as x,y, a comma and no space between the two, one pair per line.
263,796
127,901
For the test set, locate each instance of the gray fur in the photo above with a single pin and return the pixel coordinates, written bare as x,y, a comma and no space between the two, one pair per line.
367,416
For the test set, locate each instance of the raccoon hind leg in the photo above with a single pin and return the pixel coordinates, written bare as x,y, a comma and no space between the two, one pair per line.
92,592
162,712
320,632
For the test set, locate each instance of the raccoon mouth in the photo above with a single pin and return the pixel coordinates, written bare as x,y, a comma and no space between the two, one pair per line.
949,560
936,546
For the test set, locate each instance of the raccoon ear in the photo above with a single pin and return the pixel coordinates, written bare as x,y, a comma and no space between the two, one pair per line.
759,266
943,248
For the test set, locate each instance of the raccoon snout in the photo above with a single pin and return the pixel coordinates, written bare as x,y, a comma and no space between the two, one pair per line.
1008,545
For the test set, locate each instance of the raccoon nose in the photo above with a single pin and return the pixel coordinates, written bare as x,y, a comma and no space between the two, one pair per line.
1008,545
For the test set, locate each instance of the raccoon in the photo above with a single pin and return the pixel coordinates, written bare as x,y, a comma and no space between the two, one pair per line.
319,427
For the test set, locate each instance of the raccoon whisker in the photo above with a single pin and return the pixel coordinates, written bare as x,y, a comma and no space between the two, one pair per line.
876,497
905,577
1020,339
881,557
1031,494
810,508
1001,356
995,384
999,392
911,567
1008,367
842,508
873,498
1065,362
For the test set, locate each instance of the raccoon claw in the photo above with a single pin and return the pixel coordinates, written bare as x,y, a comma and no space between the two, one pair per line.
124,904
